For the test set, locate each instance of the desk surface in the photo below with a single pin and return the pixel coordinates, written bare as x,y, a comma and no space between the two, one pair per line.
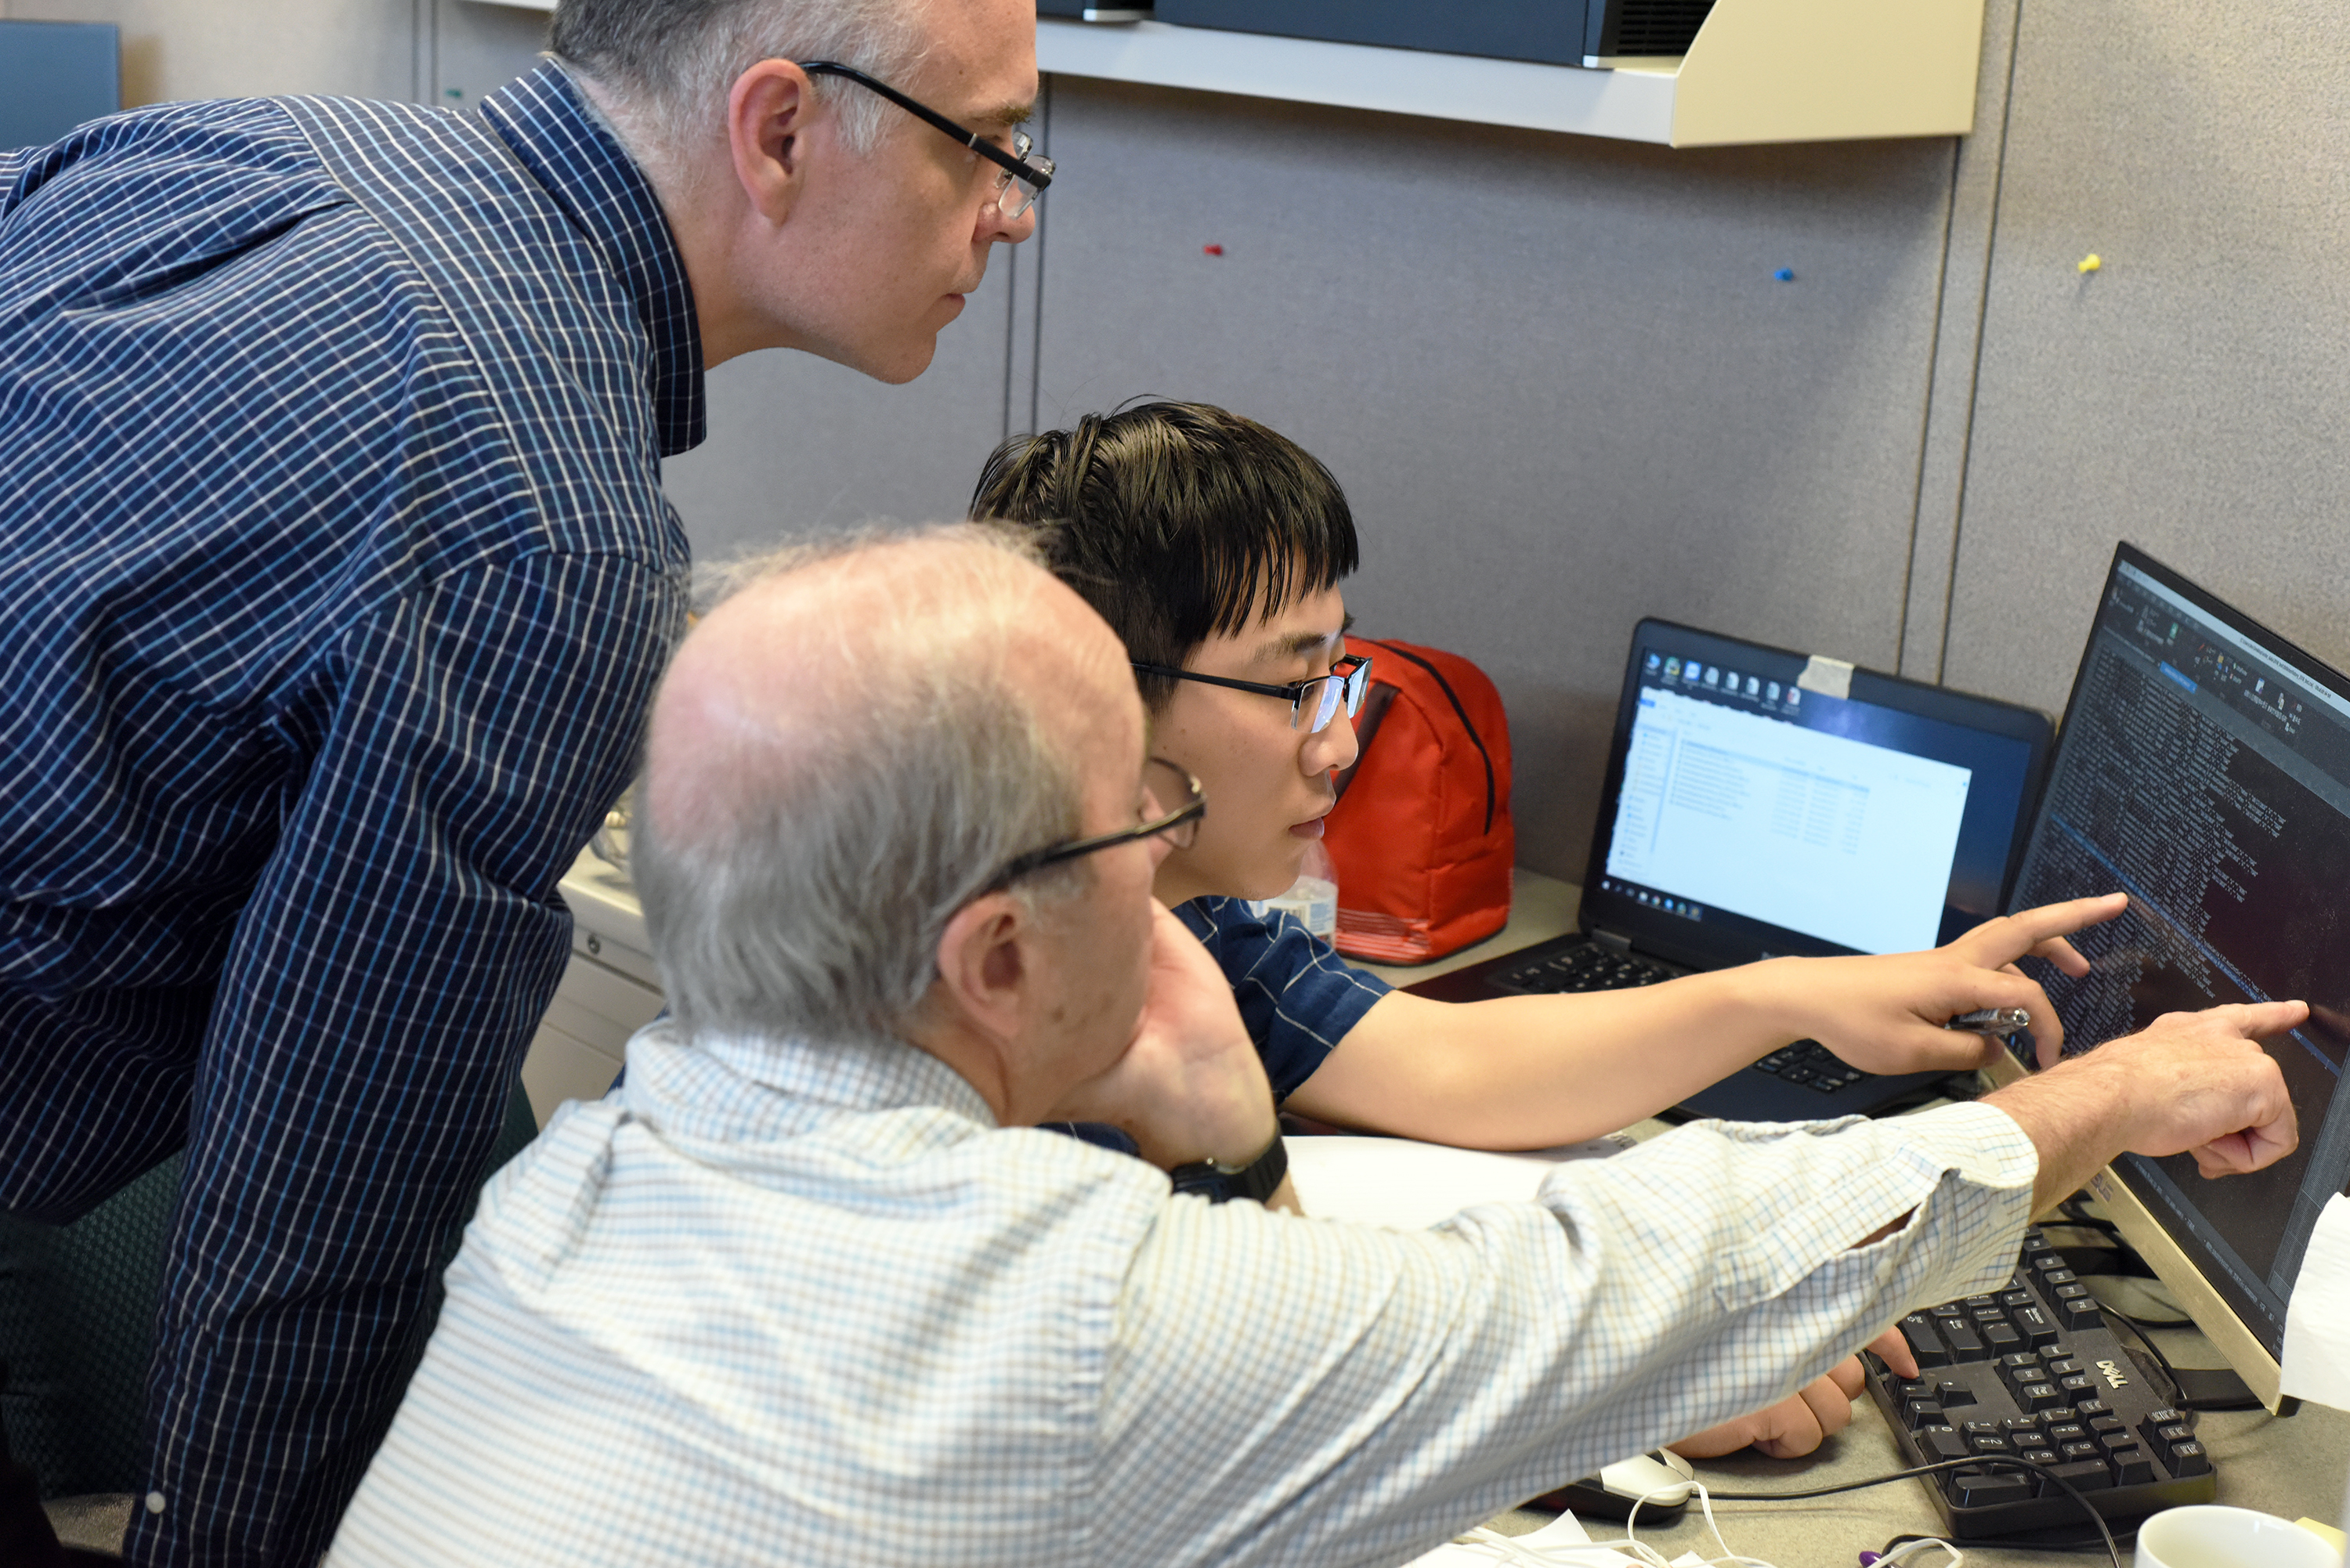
1540,907
2289,1468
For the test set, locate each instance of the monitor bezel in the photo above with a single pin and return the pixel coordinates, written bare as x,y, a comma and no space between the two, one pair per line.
1698,947
2113,1186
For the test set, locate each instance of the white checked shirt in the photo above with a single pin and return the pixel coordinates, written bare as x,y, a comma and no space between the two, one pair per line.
777,1303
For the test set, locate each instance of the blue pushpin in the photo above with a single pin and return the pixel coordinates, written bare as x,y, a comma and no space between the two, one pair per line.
1785,275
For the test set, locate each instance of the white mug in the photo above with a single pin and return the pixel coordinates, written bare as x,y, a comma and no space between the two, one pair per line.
2205,1535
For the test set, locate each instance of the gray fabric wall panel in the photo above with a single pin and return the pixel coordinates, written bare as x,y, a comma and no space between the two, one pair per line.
1957,336
2190,395
473,49
799,445
1555,374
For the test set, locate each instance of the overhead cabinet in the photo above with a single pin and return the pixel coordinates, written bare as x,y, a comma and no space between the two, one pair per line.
1683,73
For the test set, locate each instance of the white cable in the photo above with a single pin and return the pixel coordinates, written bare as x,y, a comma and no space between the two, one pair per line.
1517,1553
1896,1556
1728,1559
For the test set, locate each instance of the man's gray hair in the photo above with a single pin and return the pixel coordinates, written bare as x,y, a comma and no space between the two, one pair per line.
811,904
672,62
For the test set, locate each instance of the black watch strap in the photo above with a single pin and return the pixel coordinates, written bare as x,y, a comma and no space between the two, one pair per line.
1259,1180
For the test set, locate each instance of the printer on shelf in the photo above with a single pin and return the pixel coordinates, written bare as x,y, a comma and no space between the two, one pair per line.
1553,32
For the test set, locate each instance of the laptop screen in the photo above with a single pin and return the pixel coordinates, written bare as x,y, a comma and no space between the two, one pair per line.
1749,812
2205,771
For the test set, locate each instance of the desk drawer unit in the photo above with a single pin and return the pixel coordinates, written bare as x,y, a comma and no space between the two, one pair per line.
609,991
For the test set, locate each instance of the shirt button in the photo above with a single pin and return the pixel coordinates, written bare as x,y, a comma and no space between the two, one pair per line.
154,1503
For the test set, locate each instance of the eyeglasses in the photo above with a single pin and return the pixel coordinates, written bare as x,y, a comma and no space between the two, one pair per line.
1312,704
1019,179
1163,782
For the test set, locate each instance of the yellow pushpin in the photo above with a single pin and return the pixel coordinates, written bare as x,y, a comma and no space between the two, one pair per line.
2091,263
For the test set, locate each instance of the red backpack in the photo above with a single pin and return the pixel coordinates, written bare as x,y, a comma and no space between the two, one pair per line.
1421,834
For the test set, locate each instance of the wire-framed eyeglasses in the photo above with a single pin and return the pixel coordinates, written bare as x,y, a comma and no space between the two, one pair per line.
1173,805
1019,179
1313,704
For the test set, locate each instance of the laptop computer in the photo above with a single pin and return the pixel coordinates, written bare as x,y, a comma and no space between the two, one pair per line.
1760,802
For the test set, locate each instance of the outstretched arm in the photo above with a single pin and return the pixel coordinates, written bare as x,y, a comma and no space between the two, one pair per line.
1417,1381
1525,1072
2159,1092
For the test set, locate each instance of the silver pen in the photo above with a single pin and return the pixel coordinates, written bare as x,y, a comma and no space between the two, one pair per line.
1992,1020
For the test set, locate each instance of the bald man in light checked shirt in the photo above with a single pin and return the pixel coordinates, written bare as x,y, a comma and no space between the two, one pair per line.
815,1288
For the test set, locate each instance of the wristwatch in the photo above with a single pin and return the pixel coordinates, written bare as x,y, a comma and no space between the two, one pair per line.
1217,1182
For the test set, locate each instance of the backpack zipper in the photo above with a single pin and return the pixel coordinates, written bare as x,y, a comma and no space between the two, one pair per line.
1462,713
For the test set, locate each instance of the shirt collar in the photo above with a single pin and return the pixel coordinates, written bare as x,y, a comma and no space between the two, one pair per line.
748,1089
541,117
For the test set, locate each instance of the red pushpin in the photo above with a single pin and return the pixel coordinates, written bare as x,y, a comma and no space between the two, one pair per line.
1212,249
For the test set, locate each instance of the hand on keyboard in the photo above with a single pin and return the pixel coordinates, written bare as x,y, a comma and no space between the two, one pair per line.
2033,1373
1804,1419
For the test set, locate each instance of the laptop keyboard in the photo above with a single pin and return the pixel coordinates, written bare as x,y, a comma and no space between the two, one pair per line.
1812,1066
1585,966
1591,966
2032,1371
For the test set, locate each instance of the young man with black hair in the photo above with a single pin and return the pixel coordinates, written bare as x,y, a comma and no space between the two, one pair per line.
1216,547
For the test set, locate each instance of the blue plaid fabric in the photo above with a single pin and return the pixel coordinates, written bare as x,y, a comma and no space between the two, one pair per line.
1297,997
340,576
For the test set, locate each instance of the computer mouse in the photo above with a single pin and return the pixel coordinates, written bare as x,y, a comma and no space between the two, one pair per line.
1661,1482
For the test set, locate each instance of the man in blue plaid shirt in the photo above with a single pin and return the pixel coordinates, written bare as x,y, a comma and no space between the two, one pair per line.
340,575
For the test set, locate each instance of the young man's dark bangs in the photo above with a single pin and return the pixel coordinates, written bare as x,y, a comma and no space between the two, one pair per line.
1178,522
1271,526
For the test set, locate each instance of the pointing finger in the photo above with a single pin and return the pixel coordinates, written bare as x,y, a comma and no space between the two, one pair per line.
2259,1019
2009,938
2063,955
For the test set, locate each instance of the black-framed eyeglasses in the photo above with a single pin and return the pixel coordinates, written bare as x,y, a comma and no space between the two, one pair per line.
1019,179
1313,704
1163,783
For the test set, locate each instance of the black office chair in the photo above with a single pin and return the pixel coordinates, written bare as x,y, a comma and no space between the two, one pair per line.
77,1305
27,1540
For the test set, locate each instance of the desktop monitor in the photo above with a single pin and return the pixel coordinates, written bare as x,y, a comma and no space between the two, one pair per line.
2203,767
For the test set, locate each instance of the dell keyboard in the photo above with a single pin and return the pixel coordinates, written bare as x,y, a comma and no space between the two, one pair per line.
2032,1371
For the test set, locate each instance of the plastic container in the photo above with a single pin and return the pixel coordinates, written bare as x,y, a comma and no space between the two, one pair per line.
1313,897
